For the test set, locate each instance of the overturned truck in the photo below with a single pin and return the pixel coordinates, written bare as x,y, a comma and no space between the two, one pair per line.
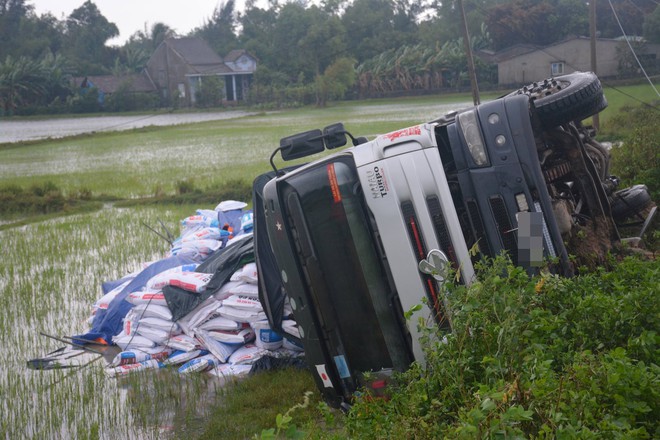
356,241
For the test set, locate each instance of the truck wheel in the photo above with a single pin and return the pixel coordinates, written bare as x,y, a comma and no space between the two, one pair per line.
629,201
565,98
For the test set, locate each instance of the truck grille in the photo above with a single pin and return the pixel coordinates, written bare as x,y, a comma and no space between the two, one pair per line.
440,227
507,234
478,227
417,240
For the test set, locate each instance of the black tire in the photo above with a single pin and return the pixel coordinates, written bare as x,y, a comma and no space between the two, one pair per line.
565,98
629,201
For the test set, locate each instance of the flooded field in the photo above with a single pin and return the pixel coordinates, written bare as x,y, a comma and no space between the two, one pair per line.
50,275
16,131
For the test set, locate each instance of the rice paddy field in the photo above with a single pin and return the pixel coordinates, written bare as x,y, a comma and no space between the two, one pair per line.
51,271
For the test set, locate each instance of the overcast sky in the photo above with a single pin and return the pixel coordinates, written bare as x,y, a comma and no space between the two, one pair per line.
131,15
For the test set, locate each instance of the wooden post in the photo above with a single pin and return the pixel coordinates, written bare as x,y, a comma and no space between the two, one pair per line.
592,34
470,59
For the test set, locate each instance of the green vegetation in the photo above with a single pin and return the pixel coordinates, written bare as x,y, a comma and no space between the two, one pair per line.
248,407
637,159
544,357
619,99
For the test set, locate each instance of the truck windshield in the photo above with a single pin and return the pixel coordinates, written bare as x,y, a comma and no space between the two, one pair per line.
352,295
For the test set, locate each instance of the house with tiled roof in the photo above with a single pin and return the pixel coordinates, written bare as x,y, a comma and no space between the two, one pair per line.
179,66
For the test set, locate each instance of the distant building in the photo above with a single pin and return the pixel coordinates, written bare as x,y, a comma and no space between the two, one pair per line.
109,84
523,63
178,67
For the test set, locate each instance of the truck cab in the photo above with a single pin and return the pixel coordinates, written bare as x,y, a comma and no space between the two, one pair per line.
364,239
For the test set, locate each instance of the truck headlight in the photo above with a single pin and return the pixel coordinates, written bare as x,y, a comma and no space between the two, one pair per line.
472,134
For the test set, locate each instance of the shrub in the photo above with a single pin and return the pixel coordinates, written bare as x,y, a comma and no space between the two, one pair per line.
540,357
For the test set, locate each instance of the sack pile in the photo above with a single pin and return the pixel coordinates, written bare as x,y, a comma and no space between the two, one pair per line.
225,333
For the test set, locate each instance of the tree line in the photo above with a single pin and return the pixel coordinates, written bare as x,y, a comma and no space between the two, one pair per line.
329,49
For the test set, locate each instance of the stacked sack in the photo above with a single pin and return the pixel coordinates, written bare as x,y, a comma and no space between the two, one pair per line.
223,335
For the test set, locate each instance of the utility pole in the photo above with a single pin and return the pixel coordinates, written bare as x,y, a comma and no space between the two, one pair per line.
470,59
592,34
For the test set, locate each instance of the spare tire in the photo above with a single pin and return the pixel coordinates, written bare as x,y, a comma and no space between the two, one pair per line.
565,98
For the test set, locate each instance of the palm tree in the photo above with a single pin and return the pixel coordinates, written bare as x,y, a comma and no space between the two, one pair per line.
21,83
159,33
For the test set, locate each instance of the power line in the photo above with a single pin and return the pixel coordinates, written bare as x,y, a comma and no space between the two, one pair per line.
543,49
631,48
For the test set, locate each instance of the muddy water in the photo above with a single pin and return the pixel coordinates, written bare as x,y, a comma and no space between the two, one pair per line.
16,131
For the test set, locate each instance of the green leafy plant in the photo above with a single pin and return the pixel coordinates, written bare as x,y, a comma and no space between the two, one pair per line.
283,425
533,357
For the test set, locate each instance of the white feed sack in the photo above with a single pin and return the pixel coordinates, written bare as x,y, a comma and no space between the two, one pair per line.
227,372
197,250
204,234
125,341
184,343
162,279
203,312
239,337
124,370
219,349
181,356
152,311
243,302
134,356
249,273
247,355
202,363
241,315
226,290
147,297
220,323
265,337
242,289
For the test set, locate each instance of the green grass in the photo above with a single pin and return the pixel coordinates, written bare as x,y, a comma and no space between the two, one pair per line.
244,409
621,96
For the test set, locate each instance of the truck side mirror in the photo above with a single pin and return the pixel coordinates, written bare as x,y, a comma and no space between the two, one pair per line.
335,136
301,144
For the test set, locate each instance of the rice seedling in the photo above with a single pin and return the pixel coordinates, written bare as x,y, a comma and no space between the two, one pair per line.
49,279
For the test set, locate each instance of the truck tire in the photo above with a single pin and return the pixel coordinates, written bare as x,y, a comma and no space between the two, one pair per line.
629,201
565,98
